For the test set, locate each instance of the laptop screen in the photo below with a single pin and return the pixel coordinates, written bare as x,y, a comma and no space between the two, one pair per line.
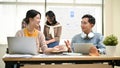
82,47
22,45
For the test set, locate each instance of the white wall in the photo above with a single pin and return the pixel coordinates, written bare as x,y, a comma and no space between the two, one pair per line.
2,52
112,19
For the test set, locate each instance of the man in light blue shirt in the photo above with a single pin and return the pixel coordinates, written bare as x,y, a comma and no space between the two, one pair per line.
88,36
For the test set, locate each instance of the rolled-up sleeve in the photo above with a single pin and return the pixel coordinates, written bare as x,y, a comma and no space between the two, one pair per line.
42,42
101,46
58,33
19,33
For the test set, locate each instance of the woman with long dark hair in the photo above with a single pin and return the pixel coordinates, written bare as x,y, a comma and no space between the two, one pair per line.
52,30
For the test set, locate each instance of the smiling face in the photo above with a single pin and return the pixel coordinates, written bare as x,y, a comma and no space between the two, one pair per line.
35,21
50,19
86,26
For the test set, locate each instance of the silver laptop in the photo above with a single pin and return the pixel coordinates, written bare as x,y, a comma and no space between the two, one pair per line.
82,47
22,45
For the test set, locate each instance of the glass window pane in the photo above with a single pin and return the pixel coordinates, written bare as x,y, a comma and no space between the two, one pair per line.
31,0
96,12
8,19
11,19
89,1
60,1
8,0
21,12
70,18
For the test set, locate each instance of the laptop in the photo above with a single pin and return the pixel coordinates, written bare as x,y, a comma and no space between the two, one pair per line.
22,45
82,47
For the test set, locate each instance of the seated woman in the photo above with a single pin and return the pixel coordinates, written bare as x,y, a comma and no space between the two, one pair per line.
52,30
32,19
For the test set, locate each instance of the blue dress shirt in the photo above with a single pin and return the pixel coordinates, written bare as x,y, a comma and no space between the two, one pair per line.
97,41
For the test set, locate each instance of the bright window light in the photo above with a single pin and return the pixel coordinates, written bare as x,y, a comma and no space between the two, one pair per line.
69,15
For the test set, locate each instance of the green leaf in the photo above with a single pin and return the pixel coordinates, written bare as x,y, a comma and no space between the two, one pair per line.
110,40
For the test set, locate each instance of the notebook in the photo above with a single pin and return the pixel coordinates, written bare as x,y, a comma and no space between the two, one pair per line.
22,45
82,47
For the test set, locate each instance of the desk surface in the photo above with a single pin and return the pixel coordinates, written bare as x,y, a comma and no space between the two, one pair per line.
44,57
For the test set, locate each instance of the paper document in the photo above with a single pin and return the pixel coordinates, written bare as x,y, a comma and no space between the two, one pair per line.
18,55
72,54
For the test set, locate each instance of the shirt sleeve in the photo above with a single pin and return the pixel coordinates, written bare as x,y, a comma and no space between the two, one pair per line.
59,30
101,46
42,42
73,41
19,33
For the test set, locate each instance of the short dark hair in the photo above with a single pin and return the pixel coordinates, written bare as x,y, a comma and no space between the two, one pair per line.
51,14
90,17
31,14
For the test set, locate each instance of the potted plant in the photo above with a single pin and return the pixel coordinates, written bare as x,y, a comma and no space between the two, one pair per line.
110,41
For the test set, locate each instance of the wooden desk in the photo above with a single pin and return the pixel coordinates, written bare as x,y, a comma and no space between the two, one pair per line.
12,61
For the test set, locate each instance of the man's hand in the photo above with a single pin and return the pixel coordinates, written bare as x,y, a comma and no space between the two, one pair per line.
93,51
68,45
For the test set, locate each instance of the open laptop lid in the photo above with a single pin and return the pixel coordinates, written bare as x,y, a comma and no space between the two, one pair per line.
22,45
82,47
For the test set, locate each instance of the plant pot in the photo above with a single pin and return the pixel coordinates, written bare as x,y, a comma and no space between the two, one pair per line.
110,50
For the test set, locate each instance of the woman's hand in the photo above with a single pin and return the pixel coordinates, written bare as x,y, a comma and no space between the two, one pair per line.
60,47
47,42
50,41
